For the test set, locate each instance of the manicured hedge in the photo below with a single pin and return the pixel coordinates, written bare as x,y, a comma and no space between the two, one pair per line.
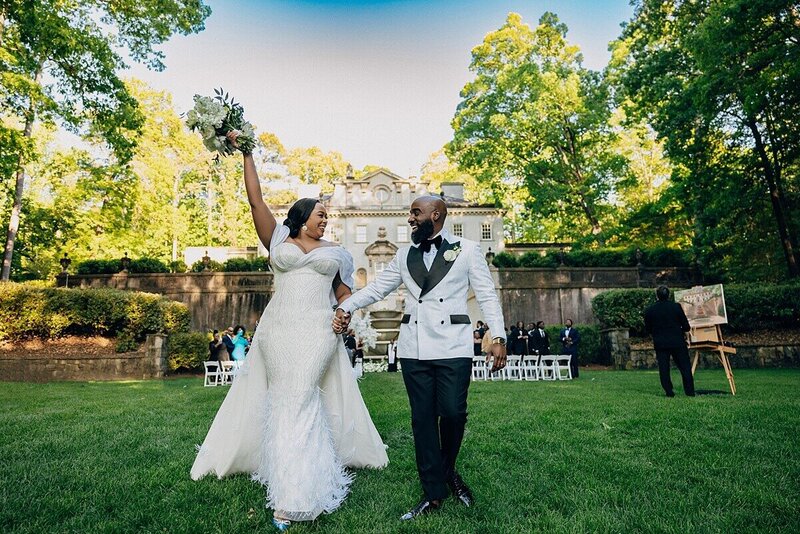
47,313
750,307
608,257
139,265
234,265
188,350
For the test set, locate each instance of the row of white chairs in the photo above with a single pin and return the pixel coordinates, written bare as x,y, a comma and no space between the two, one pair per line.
220,373
533,367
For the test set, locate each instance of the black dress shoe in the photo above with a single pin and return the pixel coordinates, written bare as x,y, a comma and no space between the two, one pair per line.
460,490
423,507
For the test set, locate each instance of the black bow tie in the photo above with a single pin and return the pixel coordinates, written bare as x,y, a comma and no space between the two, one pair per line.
425,246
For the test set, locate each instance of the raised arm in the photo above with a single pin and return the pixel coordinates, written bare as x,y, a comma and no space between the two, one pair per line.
263,218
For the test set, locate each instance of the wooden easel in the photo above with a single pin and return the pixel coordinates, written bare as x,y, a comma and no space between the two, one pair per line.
709,338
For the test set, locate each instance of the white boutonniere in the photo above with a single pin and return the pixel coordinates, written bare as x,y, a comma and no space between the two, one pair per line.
452,254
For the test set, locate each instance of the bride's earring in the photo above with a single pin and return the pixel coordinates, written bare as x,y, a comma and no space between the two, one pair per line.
305,228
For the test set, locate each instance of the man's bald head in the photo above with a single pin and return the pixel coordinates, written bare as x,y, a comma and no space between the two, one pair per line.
432,203
426,217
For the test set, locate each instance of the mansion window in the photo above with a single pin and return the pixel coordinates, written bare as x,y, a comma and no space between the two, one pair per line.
486,231
402,233
361,233
458,229
379,267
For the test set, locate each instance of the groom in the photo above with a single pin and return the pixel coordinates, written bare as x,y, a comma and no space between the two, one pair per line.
435,344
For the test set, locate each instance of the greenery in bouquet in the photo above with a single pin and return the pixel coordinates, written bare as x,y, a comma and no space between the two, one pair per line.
214,117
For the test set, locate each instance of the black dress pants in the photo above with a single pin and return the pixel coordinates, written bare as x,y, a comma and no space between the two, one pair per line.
437,393
681,357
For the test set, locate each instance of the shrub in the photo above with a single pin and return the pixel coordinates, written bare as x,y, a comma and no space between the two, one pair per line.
534,259
504,259
148,265
623,308
237,265
98,267
665,257
261,264
607,257
47,313
187,350
749,307
214,266
178,266
244,265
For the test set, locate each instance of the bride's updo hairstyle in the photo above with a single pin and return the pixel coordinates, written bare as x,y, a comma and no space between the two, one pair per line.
299,214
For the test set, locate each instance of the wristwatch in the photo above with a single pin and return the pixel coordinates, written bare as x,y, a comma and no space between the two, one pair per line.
499,340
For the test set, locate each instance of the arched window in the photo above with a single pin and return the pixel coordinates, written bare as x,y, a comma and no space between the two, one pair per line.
361,278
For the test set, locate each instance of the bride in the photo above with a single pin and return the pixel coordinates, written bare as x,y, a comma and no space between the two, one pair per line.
294,418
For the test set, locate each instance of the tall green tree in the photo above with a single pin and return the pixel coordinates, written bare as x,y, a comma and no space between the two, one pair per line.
720,82
59,61
535,119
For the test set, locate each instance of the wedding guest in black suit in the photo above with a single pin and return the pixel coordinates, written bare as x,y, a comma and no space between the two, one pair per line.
539,340
521,339
668,325
570,338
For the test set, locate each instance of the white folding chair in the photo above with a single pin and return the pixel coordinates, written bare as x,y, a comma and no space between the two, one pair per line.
562,364
530,367
497,375
478,368
513,370
227,372
547,367
212,375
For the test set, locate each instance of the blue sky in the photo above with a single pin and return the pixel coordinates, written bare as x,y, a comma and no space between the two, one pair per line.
377,81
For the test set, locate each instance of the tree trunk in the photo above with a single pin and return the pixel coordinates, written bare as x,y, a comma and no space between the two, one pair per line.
13,222
776,198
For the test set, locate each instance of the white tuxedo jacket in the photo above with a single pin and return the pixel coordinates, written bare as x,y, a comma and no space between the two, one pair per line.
435,322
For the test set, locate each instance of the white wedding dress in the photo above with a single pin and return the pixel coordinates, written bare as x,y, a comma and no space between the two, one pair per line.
294,417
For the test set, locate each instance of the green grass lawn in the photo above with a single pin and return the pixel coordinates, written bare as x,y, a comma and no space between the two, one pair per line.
606,453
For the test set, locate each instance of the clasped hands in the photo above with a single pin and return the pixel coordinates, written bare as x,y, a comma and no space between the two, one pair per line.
341,320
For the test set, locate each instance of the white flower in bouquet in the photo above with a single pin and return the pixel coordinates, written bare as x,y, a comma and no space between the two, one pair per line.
215,117
363,330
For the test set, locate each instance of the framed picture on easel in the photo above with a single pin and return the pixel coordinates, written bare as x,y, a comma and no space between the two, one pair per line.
704,307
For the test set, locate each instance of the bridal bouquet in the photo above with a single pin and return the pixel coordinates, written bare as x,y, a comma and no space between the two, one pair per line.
363,330
215,117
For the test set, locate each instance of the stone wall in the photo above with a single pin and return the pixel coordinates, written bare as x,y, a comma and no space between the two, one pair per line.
150,361
215,300
746,357
556,294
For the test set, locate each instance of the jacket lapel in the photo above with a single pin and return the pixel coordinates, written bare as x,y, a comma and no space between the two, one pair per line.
439,268
416,267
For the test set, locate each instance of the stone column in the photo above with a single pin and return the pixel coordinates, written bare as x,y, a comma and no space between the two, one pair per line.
156,359
616,341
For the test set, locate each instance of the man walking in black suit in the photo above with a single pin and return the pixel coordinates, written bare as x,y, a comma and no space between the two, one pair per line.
668,325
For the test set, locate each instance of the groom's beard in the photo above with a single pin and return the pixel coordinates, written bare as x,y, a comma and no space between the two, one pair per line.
424,232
